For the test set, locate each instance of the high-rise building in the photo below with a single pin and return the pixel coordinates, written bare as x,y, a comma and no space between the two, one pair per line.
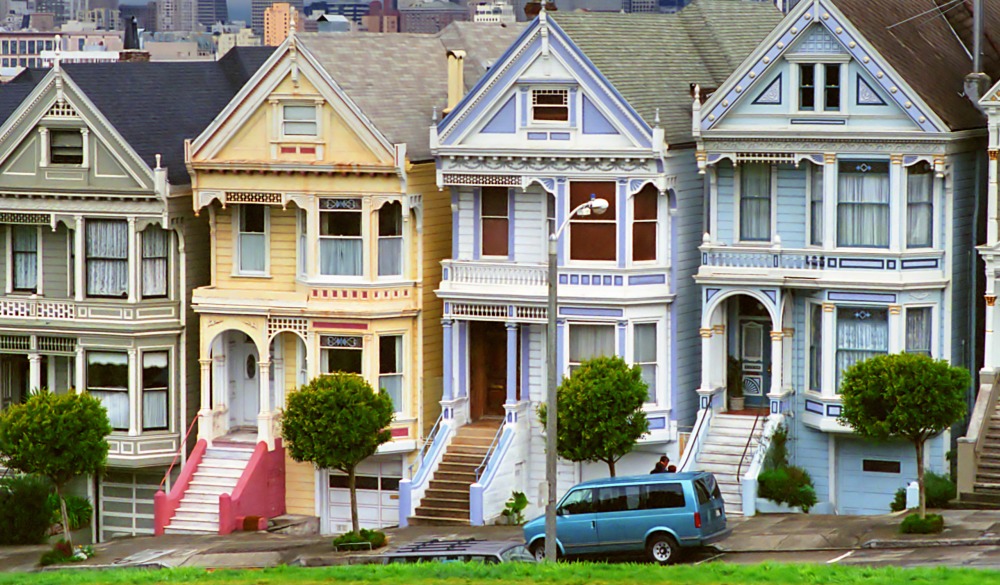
210,12
277,20
58,8
257,8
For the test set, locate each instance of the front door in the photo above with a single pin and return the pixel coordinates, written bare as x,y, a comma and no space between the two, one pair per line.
755,351
487,369
244,382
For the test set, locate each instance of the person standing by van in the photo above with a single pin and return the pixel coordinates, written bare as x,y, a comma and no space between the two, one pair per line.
661,465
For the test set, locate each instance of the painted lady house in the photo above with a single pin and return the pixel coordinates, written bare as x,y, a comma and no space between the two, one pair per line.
561,118
327,233
844,178
100,253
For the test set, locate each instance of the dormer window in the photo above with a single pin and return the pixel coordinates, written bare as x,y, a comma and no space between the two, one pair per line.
66,147
807,87
820,87
299,120
550,105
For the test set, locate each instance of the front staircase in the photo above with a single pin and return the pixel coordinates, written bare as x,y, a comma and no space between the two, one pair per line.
217,473
446,501
721,451
986,489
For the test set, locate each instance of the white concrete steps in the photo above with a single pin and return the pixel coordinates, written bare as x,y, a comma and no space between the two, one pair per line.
722,450
218,473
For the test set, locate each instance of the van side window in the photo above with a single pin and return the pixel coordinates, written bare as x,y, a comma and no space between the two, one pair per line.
619,499
579,502
664,495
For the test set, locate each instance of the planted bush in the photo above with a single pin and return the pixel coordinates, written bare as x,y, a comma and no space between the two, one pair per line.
352,540
788,485
940,490
25,516
78,510
914,524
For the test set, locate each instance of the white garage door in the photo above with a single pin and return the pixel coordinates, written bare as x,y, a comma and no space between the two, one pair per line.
868,474
377,483
127,504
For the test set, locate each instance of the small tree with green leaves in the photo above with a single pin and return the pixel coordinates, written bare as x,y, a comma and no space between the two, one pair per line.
599,415
59,437
337,421
904,395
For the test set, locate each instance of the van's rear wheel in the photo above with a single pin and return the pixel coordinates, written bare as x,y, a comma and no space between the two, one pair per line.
538,550
662,549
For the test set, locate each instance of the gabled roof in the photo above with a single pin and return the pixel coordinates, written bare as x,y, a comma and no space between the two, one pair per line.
14,91
652,59
155,106
398,79
924,49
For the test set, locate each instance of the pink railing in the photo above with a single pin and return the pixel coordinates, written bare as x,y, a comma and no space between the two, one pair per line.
165,505
259,493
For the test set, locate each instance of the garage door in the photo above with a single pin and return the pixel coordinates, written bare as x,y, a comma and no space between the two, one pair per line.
377,483
127,504
868,474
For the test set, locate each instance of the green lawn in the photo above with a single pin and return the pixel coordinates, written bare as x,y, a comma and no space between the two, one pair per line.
562,574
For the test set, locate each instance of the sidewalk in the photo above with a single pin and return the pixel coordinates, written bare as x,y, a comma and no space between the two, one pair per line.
762,534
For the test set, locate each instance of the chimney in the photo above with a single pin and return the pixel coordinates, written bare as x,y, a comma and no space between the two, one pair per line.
977,83
456,79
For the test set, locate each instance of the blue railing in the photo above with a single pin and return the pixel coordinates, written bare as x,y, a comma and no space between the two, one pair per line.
419,461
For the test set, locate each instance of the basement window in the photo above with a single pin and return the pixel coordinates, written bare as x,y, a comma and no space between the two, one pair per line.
66,147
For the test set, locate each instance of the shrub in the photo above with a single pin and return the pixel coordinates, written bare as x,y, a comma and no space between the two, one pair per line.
352,540
914,524
790,485
899,501
78,510
514,508
63,552
939,488
24,512
777,451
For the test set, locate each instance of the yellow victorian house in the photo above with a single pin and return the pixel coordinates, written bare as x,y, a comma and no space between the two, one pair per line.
327,232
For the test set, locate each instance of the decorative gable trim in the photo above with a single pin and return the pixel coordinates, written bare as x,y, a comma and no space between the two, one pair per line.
771,95
777,44
866,95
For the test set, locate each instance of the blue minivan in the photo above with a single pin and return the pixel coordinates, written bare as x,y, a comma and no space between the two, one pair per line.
657,514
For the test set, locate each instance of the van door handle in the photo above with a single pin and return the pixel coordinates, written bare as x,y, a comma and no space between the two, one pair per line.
593,524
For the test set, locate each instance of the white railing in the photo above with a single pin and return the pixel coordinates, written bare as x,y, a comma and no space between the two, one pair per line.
748,483
697,437
776,257
100,310
495,273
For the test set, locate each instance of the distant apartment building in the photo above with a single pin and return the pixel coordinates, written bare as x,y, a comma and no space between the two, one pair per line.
430,16
353,10
24,49
241,38
380,18
257,8
277,20
209,12
633,6
498,11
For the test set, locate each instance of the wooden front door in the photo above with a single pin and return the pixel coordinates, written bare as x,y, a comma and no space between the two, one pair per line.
487,369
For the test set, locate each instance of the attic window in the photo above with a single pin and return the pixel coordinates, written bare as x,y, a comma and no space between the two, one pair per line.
298,120
550,105
66,147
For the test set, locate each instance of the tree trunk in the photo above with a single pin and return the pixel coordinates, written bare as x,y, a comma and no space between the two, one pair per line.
611,467
920,477
354,500
65,516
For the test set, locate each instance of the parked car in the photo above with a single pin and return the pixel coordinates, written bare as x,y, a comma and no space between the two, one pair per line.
658,514
452,551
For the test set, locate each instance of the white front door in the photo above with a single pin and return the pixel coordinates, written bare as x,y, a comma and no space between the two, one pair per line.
244,382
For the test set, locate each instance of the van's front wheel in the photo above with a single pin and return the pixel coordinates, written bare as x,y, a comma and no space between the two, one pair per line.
662,549
538,551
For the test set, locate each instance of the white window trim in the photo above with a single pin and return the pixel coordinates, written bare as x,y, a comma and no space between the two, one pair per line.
39,276
808,338
568,339
280,120
365,237
662,232
660,361
892,337
171,395
141,259
813,169
904,204
737,196
301,244
237,217
482,232
403,238
365,345
935,349
819,82
570,98
894,198
406,409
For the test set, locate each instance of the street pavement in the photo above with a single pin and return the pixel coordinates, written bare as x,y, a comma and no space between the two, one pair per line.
971,539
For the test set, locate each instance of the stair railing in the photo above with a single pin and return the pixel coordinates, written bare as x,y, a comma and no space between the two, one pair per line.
180,449
489,453
414,467
739,468
695,438
971,445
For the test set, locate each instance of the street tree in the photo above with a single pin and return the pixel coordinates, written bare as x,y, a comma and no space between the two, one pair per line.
599,415
57,436
336,421
903,395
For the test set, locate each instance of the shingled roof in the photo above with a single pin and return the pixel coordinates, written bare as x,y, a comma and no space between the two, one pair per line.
399,79
13,92
155,106
652,59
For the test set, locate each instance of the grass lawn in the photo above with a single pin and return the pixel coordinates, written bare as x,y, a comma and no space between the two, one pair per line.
562,574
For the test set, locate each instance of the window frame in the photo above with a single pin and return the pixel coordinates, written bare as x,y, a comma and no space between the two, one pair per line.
328,343
401,408
143,389
401,238
12,255
361,211
484,219
930,203
532,105
813,352
165,258
811,200
654,390
608,218
571,365
930,351
738,204
238,244
87,259
283,121
888,205
109,389
818,89
838,374
637,222
52,133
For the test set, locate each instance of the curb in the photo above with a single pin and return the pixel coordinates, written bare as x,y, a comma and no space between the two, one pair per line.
980,541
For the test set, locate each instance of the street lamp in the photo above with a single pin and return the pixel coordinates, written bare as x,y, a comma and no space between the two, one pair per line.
596,206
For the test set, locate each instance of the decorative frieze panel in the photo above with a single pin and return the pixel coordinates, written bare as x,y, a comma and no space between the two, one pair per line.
298,325
27,308
26,218
478,311
15,342
337,204
360,294
341,341
61,109
57,344
253,197
462,180
508,164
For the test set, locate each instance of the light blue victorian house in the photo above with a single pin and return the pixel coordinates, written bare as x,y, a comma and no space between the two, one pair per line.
845,182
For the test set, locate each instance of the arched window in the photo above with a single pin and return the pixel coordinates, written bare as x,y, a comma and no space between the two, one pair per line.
390,239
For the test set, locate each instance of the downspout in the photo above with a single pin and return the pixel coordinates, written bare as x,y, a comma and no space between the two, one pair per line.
977,82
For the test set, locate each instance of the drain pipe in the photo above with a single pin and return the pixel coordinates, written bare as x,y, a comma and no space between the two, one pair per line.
977,83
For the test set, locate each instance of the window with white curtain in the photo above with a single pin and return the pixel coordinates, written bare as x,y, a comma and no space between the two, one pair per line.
863,204
155,387
644,355
816,205
755,202
24,249
919,206
588,342
862,333
341,249
252,239
390,239
107,258
299,120
390,368
155,251
918,330
816,347
107,380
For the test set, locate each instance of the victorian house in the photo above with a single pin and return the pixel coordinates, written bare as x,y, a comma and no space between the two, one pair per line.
327,232
101,251
844,173
581,106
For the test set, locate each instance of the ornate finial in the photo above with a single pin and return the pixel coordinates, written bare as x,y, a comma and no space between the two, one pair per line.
434,114
58,53
157,161
657,118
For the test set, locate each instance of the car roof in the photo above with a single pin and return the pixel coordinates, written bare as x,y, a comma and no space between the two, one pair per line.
643,479
438,547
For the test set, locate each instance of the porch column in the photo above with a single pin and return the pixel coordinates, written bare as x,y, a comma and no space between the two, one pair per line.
829,201
777,359
896,342
79,257
706,358
448,373
989,358
34,372
206,385
265,418
829,350
896,194
81,368
511,363
133,261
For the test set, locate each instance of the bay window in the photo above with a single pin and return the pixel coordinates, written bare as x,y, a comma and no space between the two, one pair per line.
341,250
593,237
107,258
495,221
918,330
24,252
252,241
390,368
644,204
919,206
863,204
341,353
755,202
862,333
390,239
155,386
644,355
816,205
816,347
155,251
588,342
107,380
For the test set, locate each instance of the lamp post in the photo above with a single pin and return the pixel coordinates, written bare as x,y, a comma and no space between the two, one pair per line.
596,206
